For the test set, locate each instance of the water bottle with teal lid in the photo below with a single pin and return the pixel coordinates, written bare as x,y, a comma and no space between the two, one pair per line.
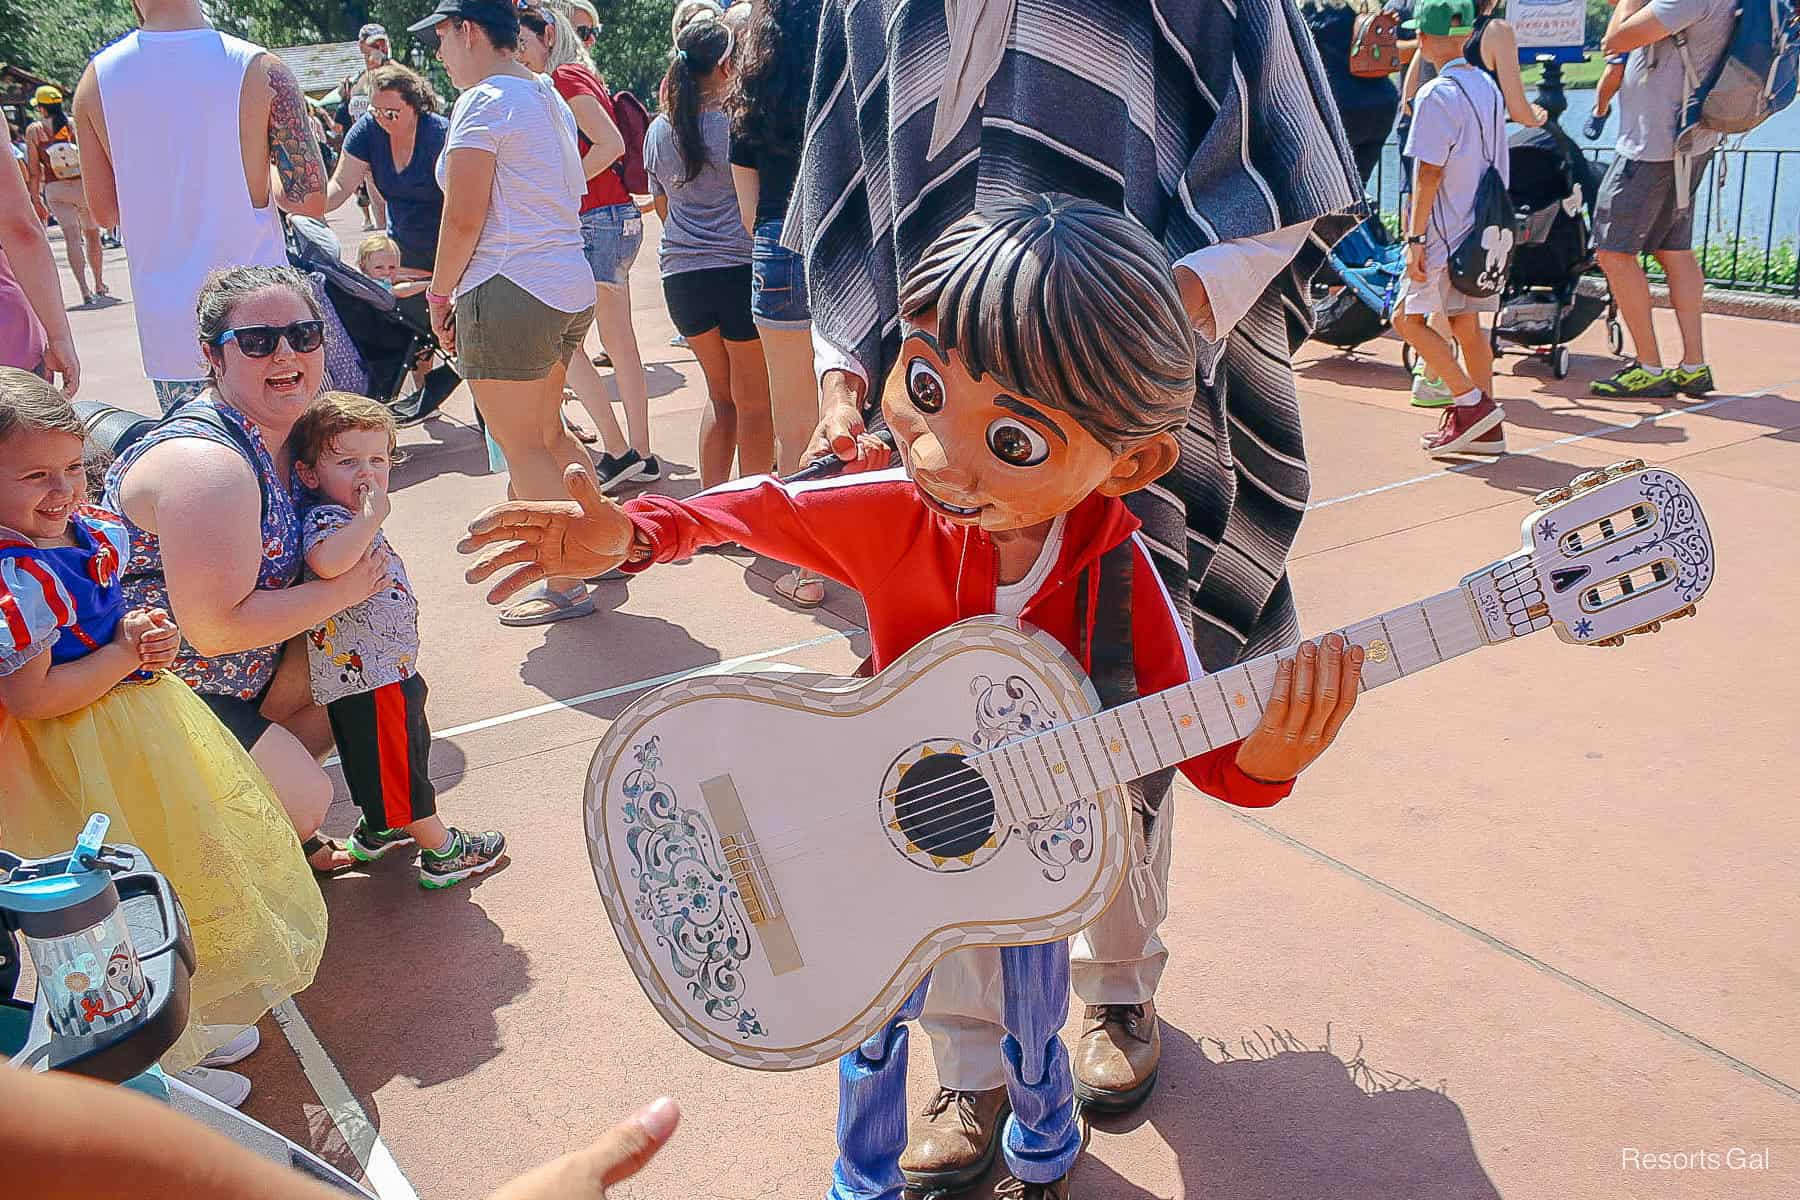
89,977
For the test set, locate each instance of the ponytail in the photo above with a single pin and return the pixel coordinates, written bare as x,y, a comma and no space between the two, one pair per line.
702,46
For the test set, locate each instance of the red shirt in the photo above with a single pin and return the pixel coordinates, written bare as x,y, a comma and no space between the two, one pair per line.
919,573
571,80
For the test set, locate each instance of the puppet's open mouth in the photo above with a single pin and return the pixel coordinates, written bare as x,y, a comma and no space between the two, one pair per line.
955,510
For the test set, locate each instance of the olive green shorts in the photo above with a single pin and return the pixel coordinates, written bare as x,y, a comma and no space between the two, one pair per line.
504,332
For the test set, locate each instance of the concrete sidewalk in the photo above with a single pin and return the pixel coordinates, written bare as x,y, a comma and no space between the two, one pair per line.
1529,925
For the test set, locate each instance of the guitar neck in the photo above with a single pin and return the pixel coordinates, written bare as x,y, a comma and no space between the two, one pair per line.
1133,740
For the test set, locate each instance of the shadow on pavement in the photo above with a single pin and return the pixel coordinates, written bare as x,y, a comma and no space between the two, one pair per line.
1286,1122
591,653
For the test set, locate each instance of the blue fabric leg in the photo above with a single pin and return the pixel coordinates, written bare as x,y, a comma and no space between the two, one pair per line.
871,1125
1042,1135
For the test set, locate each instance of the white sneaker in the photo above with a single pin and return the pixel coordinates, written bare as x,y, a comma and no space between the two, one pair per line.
227,1087
236,1049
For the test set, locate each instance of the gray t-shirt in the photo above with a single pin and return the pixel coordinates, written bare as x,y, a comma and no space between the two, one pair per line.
1655,84
1459,124
704,230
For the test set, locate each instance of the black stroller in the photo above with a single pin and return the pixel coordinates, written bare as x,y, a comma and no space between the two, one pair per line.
373,340
1546,302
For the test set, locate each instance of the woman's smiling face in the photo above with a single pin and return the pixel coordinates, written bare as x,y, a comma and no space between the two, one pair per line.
271,391
983,456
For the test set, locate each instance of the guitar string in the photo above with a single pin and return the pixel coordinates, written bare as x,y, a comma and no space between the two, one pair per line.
774,848
771,853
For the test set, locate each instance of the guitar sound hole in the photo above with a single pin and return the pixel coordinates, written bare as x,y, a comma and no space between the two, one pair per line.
944,807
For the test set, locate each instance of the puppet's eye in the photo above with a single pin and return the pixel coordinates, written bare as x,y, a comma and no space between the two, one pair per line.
1017,444
925,386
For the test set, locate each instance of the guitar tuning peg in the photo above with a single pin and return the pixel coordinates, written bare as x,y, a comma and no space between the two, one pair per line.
1611,641
1652,627
1689,611
1586,480
1625,467
1552,496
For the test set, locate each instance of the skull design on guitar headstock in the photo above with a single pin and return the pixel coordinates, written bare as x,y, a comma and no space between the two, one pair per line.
1611,553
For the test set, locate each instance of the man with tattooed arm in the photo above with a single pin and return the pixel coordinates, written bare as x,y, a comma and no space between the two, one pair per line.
196,191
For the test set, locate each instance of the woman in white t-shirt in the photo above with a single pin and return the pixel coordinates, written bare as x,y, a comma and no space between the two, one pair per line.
511,293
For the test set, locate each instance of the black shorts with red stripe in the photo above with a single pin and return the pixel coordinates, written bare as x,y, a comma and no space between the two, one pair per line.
384,742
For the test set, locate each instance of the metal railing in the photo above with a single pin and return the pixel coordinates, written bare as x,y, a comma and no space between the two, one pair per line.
1746,215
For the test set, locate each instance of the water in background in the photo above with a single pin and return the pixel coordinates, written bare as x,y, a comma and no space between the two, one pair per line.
1756,196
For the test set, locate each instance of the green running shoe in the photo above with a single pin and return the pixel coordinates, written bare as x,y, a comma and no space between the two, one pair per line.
466,854
367,845
1695,383
1428,392
1636,380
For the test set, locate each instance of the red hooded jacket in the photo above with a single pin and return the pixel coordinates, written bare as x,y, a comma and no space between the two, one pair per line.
919,573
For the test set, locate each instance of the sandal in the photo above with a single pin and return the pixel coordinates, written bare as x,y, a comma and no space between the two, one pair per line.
315,844
563,606
801,589
580,433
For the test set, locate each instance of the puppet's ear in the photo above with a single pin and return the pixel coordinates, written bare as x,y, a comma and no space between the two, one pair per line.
1142,464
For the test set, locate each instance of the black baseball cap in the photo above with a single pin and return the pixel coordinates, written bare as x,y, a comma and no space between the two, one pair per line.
497,14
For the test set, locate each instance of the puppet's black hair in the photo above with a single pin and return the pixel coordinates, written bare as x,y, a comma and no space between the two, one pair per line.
1067,302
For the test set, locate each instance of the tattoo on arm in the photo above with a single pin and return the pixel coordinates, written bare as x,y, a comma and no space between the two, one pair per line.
292,148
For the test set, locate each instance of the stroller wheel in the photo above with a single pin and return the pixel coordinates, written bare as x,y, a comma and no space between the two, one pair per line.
1615,337
1559,362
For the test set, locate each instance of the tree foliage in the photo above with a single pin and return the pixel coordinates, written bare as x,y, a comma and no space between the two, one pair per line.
632,52
55,38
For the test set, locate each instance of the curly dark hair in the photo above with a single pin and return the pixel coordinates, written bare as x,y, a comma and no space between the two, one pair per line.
768,94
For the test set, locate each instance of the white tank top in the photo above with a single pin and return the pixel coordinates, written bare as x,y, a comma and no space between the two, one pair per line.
172,102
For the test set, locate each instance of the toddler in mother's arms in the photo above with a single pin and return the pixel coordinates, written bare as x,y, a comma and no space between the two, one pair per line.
365,660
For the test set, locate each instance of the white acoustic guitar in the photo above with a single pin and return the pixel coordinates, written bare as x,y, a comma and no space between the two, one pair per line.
784,863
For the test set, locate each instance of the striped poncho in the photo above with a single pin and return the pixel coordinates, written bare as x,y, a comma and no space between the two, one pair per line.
1207,120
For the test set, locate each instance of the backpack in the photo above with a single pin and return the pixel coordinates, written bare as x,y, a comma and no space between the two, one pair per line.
1479,264
1375,45
1756,76
63,155
633,120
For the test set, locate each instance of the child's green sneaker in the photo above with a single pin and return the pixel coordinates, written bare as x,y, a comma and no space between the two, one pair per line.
367,845
1696,383
1636,380
1428,392
465,854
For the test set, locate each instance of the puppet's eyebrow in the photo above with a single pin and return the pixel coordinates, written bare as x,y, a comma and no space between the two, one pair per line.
928,340
1025,410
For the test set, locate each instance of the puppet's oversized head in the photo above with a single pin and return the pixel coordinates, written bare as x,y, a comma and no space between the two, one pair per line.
1045,356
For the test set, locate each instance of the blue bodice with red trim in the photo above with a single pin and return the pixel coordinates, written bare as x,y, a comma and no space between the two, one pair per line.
66,599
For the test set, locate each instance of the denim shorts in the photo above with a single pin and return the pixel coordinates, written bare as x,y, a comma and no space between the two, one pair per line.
611,236
777,282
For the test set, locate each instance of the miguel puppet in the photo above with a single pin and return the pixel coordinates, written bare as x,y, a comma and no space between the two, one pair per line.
1046,361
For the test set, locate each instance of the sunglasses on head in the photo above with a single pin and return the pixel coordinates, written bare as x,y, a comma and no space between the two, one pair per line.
259,341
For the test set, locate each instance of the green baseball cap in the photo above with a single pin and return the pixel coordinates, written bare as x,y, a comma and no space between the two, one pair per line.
1442,18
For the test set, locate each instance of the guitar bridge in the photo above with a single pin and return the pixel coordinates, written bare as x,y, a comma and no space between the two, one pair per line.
750,875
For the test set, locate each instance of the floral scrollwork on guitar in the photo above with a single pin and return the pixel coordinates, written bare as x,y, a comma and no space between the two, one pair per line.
1063,838
1682,532
685,893
1008,709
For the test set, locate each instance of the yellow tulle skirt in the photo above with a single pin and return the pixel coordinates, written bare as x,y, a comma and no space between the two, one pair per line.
153,758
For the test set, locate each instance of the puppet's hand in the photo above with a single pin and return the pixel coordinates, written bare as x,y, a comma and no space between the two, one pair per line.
1314,691
574,538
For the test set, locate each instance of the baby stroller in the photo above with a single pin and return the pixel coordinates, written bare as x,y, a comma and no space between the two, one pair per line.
373,340
1544,304
1354,289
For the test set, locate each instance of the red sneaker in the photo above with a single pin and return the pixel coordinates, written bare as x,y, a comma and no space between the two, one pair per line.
1468,429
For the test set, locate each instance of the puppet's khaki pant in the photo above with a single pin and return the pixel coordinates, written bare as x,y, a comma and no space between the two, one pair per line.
1118,959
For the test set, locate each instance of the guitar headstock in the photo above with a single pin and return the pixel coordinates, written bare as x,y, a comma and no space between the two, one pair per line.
1611,553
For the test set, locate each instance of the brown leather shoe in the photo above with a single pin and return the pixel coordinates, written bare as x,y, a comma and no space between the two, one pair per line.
1017,1189
1116,1059
953,1141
